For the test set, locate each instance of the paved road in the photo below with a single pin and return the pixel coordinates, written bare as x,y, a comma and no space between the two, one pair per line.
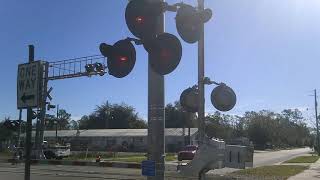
264,158
59,172
276,157
40,172
50,172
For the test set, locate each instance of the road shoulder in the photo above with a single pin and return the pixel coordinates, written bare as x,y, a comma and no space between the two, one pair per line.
312,173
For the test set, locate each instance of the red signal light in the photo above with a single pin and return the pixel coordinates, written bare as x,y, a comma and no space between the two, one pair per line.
140,19
123,58
165,53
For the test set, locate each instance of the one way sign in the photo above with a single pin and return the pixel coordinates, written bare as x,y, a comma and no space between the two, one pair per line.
29,84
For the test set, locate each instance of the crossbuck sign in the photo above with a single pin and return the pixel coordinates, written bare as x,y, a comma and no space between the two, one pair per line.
29,84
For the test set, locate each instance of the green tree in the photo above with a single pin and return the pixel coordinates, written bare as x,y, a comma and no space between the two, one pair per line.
112,116
50,122
176,117
64,119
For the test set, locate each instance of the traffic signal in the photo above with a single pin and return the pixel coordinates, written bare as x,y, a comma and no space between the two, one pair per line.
165,53
141,17
50,106
96,67
11,124
89,68
99,68
223,98
121,57
189,20
189,100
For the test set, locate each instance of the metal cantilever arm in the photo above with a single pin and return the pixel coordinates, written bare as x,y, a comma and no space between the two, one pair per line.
75,67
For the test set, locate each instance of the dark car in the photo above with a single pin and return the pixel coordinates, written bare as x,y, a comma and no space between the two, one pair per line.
187,152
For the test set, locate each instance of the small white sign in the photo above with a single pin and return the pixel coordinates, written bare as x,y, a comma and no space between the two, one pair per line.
29,84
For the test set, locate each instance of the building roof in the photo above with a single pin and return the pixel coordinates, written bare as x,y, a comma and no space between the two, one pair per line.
116,132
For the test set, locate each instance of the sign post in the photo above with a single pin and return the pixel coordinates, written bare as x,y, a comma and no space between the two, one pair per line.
29,87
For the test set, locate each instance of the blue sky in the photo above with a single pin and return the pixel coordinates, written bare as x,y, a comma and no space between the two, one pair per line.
266,50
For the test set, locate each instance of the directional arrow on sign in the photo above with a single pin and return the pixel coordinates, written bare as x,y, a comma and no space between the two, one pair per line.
48,93
25,97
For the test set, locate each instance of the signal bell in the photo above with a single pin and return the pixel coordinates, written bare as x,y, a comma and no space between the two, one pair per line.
165,53
121,57
223,98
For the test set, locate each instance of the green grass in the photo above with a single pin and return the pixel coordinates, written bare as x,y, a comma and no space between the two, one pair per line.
5,154
282,171
272,172
123,157
303,159
138,159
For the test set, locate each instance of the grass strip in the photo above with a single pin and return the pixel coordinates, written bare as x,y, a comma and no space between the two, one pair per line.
270,172
303,159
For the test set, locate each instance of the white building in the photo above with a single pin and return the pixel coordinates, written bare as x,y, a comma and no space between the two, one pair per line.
134,140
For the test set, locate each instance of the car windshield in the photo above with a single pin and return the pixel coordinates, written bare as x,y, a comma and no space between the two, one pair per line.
170,89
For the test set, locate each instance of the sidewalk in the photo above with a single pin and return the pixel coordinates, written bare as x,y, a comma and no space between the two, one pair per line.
312,173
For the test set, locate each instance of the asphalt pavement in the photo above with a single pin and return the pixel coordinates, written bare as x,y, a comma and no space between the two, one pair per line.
276,157
264,158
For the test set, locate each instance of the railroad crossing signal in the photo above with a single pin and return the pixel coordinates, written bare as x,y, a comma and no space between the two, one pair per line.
11,124
121,57
189,100
223,98
165,53
165,49
141,18
189,20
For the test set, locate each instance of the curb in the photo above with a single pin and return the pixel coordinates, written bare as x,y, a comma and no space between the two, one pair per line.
82,163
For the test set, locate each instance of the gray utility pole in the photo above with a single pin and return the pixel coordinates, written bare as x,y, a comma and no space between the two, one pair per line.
201,87
317,121
156,123
57,123
43,96
19,133
29,128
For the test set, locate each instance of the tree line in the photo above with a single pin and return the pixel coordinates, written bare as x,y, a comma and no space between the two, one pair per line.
264,128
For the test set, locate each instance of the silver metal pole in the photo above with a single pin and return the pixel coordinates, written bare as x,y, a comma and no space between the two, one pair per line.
156,123
317,120
37,135
201,111
201,115
57,123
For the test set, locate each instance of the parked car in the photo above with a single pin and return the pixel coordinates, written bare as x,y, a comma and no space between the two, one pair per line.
56,151
187,152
